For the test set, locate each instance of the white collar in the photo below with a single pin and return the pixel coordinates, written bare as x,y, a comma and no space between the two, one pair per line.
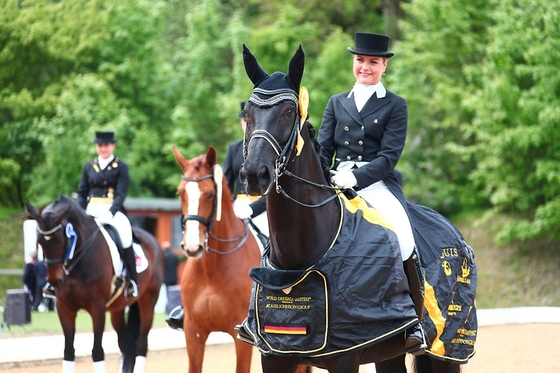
104,162
368,90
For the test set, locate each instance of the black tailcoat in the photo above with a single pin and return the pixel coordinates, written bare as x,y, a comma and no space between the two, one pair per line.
376,135
96,182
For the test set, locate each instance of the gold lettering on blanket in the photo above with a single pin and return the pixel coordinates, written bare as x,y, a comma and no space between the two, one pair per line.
462,341
449,251
466,332
291,303
452,309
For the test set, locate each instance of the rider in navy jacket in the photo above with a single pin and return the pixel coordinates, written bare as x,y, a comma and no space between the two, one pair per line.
362,137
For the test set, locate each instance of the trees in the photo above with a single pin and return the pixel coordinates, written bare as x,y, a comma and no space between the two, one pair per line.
517,112
479,77
73,68
435,70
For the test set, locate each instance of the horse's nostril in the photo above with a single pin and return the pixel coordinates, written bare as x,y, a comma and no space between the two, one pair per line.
264,176
243,175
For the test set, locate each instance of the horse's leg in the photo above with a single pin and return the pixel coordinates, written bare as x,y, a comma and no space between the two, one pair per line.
394,365
279,364
440,366
67,319
98,355
196,341
118,322
244,354
146,304
349,363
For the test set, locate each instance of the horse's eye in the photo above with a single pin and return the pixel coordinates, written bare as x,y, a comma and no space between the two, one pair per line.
291,113
210,196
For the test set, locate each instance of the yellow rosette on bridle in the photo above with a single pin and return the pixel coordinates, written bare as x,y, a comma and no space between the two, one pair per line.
303,103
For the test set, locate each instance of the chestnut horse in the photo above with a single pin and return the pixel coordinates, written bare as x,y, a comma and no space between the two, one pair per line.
215,286
304,215
79,265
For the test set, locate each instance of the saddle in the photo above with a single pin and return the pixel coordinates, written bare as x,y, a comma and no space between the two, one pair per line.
114,234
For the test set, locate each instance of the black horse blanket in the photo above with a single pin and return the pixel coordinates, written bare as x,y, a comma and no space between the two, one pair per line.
354,296
450,319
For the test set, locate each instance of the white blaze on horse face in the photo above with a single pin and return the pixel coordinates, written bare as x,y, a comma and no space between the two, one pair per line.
192,237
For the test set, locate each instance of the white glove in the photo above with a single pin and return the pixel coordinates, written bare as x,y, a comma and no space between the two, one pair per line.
242,211
105,217
344,179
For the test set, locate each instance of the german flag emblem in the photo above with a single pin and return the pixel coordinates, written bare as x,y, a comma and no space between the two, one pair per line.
285,329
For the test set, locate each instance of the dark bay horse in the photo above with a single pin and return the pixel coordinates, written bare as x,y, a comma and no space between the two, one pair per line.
304,214
215,286
83,281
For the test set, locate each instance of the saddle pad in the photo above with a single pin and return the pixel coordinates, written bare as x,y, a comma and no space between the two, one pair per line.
141,260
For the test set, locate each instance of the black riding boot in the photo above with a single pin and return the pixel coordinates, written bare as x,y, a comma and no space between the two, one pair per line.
131,289
415,343
48,291
176,318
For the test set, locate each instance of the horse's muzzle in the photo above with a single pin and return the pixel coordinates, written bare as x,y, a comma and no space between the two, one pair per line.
256,179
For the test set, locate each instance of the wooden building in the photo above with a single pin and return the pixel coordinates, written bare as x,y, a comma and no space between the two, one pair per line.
162,218
159,216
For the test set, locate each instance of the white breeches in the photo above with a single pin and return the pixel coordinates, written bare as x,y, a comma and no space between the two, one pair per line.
380,197
119,221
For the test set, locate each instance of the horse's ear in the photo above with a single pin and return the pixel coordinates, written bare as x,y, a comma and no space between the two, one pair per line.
211,157
33,213
252,68
180,159
295,70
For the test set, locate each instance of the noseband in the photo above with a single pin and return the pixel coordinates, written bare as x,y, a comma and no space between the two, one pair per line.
209,223
66,258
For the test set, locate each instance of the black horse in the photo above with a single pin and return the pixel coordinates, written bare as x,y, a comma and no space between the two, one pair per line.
79,265
306,218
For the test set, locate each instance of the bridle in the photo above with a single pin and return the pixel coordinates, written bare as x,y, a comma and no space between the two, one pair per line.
68,257
286,154
209,222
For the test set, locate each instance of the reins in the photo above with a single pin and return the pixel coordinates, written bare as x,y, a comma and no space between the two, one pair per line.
82,249
209,223
85,246
322,186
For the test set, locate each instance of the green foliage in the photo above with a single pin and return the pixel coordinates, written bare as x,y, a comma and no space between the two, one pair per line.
517,115
441,40
335,62
11,248
479,77
204,64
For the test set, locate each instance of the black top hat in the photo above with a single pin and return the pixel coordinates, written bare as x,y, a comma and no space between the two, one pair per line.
242,114
104,137
372,45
